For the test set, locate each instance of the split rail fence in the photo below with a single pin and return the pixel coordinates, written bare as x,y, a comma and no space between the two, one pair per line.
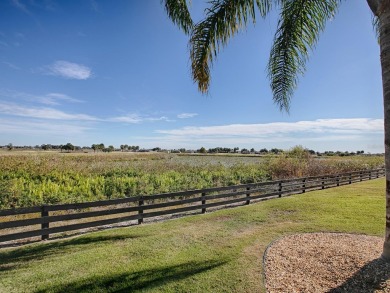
41,221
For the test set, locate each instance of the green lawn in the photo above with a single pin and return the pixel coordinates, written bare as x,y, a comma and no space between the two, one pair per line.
216,252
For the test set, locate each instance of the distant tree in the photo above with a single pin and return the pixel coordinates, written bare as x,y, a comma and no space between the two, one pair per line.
134,148
244,151
275,151
202,150
108,149
264,151
10,146
68,147
156,149
252,150
227,150
95,147
236,149
211,151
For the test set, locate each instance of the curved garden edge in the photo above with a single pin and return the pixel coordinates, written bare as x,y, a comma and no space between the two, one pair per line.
326,262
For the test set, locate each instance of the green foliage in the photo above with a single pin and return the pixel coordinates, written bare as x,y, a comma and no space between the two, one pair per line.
222,21
299,27
28,179
177,10
298,152
33,179
202,150
10,146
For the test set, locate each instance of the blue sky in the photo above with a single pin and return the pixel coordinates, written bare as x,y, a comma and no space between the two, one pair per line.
118,72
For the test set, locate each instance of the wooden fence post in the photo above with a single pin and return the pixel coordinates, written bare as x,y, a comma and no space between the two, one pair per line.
248,195
338,180
280,189
350,178
203,202
44,213
323,183
377,173
304,185
141,211
369,176
360,176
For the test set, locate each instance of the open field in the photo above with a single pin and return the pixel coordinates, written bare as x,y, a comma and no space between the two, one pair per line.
216,252
34,178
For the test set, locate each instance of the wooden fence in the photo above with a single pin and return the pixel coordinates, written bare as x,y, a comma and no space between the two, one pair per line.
45,220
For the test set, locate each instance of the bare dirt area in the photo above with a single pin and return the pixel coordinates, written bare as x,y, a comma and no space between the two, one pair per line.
326,262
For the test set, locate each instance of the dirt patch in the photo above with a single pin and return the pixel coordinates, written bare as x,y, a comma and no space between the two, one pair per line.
326,262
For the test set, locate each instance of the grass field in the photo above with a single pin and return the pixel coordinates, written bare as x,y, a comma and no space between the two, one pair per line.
216,252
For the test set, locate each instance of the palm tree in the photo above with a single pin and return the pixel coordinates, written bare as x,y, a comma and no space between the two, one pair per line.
299,26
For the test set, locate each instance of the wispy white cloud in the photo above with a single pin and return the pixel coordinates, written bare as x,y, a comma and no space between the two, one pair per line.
69,70
19,35
136,118
186,115
321,134
54,98
42,113
131,118
357,125
94,5
18,4
47,99
10,65
41,127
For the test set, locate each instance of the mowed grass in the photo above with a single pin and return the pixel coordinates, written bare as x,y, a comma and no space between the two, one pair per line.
220,251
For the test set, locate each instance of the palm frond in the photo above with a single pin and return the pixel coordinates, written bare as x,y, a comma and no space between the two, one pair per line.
223,19
300,24
178,12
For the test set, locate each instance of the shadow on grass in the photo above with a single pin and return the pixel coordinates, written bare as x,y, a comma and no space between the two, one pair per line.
368,279
130,282
14,258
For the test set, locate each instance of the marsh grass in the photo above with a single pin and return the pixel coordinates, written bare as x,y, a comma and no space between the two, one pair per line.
35,178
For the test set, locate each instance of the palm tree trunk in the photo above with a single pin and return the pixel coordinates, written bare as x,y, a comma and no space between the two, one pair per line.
384,22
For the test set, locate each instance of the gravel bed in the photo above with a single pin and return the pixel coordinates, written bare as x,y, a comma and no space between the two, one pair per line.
326,262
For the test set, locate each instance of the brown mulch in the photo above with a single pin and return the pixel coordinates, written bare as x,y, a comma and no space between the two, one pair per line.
326,262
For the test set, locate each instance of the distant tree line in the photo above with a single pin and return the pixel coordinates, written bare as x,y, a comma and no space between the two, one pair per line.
100,147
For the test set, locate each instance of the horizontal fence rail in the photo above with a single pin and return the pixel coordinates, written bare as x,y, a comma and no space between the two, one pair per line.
46,220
